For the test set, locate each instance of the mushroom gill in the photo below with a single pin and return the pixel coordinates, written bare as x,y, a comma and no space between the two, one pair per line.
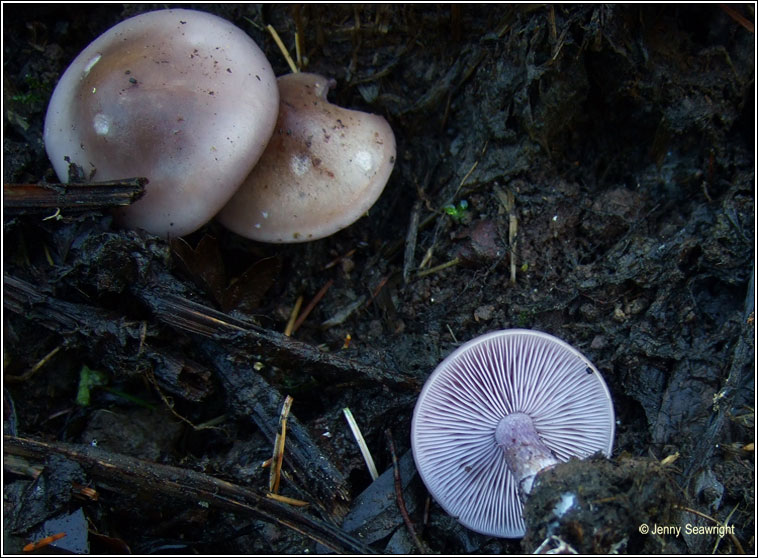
498,410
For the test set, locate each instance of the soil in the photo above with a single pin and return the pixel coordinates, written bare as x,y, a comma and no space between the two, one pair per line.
606,158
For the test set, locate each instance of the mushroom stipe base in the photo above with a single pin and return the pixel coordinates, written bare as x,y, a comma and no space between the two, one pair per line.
524,452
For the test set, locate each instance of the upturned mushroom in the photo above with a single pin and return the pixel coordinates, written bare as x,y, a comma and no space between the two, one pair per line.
498,410
324,167
182,97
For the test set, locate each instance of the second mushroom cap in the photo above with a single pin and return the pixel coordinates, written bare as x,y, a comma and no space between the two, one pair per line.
324,167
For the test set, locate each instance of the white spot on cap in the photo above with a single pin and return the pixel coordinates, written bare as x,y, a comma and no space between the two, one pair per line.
365,161
91,64
300,164
102,124
265,214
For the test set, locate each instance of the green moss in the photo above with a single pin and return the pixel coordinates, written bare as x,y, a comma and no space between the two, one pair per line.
457,212
35,94
524,318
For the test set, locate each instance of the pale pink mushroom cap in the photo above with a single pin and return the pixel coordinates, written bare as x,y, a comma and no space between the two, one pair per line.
547,389
182,97
324,167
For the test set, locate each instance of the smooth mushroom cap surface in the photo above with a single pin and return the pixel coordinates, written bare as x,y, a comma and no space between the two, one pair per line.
324,167
182,97
467,396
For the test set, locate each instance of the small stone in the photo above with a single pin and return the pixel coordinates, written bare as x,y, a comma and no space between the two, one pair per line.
484,312
598,342
482,244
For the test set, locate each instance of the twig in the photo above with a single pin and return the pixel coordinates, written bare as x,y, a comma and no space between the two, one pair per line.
293,316
298,53
463,180
287,500
311,305
738,17
512,232
361,443
551,22
299,32
472,169
378,289
435,269
34,369
338,259
252,398
285,52
278,456
129,475
113,336
455,340
728,531
44,198
36,545
399,496
150,375
508,201
427,257
410,242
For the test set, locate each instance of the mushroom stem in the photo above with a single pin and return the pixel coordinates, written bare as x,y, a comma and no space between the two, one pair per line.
524,452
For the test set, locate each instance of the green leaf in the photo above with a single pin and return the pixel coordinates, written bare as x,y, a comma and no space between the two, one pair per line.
89,379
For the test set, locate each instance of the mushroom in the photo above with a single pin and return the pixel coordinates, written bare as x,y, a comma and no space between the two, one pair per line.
498,410
324,167
182,97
